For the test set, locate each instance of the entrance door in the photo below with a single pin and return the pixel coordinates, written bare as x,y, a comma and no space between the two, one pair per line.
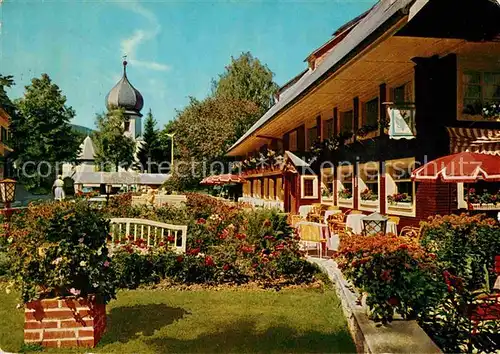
291,193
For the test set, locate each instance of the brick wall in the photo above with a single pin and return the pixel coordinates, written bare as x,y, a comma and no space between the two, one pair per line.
62,323
433,199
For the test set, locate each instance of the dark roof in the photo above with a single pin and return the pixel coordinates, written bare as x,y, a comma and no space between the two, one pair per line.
361,36
124,95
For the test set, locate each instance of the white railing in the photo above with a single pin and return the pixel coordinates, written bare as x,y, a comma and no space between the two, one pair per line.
152,232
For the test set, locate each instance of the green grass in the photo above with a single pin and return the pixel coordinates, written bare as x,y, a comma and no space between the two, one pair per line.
153,321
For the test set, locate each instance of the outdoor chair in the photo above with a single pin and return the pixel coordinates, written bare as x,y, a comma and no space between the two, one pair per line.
312,233
411,232
394,219
356,212
294,219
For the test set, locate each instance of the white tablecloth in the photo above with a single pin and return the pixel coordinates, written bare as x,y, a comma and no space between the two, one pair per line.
304,210
354,222
331,212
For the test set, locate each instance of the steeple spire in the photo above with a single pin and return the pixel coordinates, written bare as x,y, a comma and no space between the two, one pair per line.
125,65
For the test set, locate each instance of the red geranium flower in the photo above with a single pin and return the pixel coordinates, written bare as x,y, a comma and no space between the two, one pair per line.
201,221
209,262
180,259
241,236
280,247
393,301
161,244
226,267
194,251
171,238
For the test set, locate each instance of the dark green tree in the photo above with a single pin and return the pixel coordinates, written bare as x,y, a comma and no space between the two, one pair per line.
42,137
112,145
247,79
149,153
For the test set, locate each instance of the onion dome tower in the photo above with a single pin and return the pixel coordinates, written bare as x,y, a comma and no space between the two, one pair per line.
125,96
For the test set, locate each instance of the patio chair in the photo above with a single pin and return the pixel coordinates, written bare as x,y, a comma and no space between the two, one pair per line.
411,232
295,218
394,219
312,233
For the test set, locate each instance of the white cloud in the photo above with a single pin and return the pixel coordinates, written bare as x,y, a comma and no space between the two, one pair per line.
129,45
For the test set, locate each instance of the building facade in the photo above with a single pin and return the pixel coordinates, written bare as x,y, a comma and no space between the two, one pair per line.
400,85
4,141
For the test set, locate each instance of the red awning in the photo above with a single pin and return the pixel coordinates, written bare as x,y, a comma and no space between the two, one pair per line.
484,141
466,167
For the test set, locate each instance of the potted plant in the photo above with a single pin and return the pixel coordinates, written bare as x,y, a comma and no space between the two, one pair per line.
345,194
62,268
486,200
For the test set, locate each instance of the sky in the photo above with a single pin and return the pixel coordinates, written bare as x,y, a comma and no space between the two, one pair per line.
174,48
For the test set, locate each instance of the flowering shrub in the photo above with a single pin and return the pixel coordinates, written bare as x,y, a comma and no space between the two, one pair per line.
367,194
465,247
491,111
399,198
59,249
395,272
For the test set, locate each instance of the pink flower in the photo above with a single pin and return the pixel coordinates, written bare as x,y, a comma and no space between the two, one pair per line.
201,221
106,264
74,291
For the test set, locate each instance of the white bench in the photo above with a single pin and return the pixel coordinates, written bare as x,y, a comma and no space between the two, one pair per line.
153,232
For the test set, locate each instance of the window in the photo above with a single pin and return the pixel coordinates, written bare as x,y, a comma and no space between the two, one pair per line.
346,122
280,193
479,89
345,185
126,126
4,135
400,188
312,135
327,179
309,187
368,185
292,141
371,113
328,129
403,93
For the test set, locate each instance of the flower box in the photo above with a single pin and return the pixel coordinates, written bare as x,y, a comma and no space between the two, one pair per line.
345,200
369,203
486,206
64,322
401,205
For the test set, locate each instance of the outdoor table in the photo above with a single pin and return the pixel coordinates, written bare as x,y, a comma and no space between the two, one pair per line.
331,212
354,222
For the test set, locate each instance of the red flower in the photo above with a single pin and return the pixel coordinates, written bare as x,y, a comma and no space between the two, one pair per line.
393,301
161,244
130,238
226,267
224,234
247,249
386,275
255,265
209,262
280,247
267,223
194,251
180,259
201,221
171,238
241,236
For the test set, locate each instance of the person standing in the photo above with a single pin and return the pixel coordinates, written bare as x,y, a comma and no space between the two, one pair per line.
58,188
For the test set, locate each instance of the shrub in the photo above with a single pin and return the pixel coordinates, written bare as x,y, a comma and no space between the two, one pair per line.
59,249
395,272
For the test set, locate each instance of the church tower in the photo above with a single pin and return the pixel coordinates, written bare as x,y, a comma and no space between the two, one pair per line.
124,96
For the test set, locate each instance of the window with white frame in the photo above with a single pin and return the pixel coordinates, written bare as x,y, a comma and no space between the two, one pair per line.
400,188
345,184
402,94
369,184
309,187
292,141
327,180
481,89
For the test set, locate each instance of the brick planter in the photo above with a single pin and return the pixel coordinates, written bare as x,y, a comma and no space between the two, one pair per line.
64,322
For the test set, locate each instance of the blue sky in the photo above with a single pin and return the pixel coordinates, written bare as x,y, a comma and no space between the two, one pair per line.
174,48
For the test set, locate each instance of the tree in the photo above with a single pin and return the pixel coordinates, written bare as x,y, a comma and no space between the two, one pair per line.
149,152
111,143
247,79
5,102
42,135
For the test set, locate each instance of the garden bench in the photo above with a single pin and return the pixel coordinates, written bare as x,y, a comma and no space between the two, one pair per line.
152,232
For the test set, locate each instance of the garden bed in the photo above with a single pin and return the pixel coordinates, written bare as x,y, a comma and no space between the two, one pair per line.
229,320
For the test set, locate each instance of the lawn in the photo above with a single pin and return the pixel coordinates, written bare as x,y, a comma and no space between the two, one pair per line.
152,321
